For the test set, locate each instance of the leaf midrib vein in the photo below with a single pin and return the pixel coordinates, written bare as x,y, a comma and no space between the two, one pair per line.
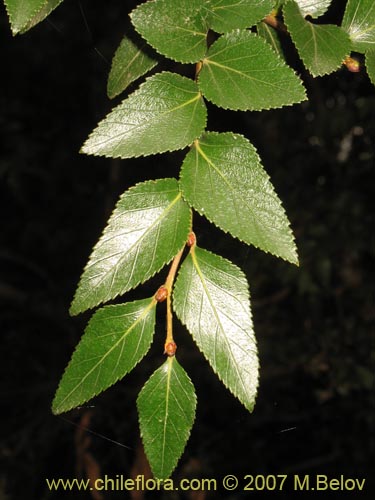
140,318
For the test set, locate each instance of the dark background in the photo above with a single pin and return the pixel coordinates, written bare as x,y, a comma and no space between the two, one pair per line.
314,324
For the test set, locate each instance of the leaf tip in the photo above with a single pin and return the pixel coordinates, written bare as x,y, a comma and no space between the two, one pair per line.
55,409
73,311
75,307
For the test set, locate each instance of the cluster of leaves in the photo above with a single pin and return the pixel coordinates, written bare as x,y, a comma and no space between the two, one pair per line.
238,65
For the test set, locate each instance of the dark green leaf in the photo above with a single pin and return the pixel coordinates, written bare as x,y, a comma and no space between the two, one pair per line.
226,15
24,14
223,179
359,22
271,36
149,226
115,340
322,48
175,28
241,71
211,298
166,113
129,63
166,408
370,65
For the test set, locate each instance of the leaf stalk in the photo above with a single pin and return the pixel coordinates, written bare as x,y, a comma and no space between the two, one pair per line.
170,346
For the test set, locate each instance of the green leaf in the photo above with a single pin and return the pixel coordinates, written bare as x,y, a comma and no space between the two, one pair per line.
223,179
271,36
241,71
20,12
211,298
42,14
359,22
166,408
149,226
370,65
175,28
226,15
128,64
322,48
115,340
313,8
24,14
166,113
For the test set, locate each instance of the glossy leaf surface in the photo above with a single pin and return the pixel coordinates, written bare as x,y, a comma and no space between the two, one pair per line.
241,71
166,113
115,340
148,227
175,28
227,15
313,8
129,63
211,298
359,22
166,408
222,178
322,48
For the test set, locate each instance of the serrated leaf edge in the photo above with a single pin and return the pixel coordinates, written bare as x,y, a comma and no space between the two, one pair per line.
183,61
265,108
74,311
115,94
212,14
142,155
217,372
22,28
313,15
147,309
317,27
203,213
31,22
169,360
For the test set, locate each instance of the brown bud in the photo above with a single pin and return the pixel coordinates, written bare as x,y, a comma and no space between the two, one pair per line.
191,239
352,64
170,348
161,294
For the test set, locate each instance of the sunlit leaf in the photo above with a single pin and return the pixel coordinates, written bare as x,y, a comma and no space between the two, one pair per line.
226,15
222,178
175,28
241,71
211,298
166,408
322,48
359,22
166,113
146,230
313,8
129,63
115,340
